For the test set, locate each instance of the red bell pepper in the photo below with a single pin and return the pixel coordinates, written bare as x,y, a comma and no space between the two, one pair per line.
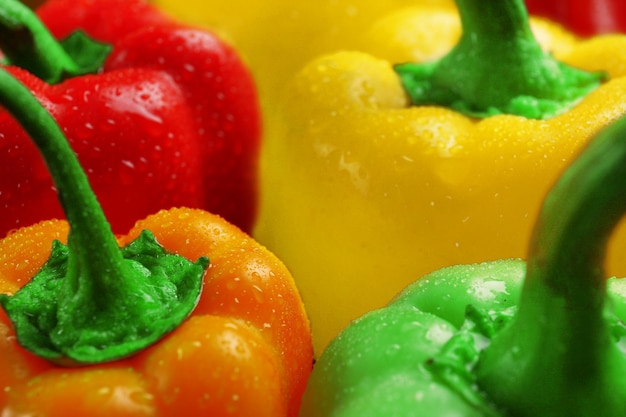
170,118
584,17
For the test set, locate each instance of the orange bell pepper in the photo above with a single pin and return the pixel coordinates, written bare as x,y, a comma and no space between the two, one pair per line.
245,349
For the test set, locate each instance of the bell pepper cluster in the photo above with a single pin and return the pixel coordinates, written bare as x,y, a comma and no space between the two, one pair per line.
208,213
379,186
166,115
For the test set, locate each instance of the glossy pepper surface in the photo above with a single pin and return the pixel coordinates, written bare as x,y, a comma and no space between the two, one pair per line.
243,346
171,117
501,338
377,192
584,17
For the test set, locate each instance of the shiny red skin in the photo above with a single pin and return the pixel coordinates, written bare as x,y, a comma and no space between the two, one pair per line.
172,119
583,17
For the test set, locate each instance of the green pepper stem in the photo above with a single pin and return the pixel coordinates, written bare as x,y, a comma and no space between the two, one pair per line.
27,43
103,302
497,67
559,356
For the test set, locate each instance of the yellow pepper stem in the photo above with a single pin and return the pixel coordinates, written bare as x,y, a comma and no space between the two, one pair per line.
497,67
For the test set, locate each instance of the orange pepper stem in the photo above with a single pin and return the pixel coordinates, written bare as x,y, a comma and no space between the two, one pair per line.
27,43
92,301
497,67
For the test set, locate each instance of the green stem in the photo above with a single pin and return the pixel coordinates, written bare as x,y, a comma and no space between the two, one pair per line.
90,230
27,43
497,67
93,302
559,356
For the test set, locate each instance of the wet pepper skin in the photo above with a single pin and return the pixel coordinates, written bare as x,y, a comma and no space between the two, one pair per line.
378,192
172,119
246,349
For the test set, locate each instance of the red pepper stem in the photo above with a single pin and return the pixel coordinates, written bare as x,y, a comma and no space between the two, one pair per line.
559,353
18,22
27,43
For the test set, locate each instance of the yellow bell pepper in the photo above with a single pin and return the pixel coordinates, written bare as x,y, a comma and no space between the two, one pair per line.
366,193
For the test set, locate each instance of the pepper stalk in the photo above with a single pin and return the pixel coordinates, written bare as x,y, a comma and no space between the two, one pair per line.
497,67
92,302
25,42
559,355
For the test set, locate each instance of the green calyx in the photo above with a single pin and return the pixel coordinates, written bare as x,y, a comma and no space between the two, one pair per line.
497,67
25,42
93,302
560,355
453,364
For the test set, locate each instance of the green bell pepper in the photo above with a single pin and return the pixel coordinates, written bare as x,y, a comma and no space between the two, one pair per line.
538,338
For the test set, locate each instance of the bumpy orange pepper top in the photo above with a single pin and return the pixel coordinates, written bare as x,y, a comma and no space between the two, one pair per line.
246,349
